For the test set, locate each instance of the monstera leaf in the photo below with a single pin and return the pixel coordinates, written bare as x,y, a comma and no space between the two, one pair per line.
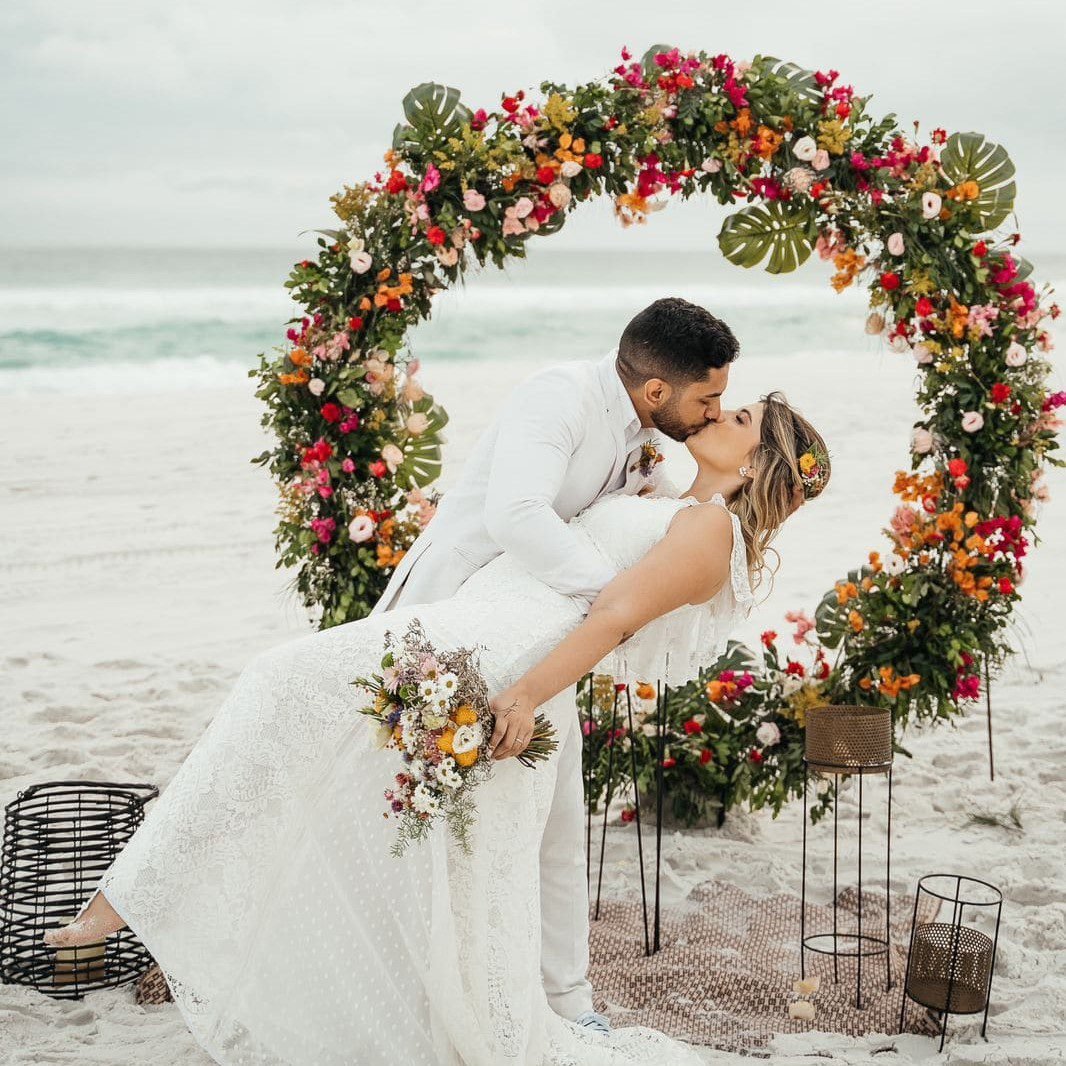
433,114
970,157
801,81
782,230
648,65
422,455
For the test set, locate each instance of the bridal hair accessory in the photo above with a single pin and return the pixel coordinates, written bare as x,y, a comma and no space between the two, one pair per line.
433,707
814,470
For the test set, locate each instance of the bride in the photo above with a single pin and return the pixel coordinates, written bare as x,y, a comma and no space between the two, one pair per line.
261,880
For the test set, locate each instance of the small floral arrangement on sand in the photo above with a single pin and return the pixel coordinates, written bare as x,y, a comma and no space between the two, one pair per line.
432,706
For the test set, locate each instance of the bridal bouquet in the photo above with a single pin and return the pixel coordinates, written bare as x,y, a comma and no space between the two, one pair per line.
433,708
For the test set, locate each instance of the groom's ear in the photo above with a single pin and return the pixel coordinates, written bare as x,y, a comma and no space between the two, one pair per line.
656,390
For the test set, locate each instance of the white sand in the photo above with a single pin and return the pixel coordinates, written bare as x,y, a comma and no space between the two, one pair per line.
138,577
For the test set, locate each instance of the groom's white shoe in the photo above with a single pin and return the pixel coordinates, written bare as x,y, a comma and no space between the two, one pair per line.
596,1022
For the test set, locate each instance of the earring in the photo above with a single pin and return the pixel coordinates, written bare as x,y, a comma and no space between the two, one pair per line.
743,471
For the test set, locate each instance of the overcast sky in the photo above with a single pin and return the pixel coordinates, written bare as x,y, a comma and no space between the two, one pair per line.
231,122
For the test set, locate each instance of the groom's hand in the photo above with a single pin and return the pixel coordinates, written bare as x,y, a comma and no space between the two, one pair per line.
514,713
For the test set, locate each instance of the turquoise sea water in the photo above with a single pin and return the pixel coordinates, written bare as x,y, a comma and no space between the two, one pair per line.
113,319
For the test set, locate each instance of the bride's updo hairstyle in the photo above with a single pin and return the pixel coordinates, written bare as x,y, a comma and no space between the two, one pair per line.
790,465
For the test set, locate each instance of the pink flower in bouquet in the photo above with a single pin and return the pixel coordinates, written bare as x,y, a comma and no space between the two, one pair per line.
348,466
431,180
711,165
921,440
323,528
768,734
903,520
316,386
417,424
473,200
393,457
361,528
803,623
448,256
895,244
922,354
429,666
522,207
512,226
559,194
390,675
412,390
820,160
1016,354
972,421
931,204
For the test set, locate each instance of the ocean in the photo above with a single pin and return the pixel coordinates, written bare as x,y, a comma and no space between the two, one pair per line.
130,320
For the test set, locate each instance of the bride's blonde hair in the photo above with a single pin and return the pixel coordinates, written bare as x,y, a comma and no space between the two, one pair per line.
790,462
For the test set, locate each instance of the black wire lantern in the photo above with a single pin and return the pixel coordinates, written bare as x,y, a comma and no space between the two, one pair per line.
59,839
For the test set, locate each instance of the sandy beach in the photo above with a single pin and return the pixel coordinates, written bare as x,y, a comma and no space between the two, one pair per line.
139,577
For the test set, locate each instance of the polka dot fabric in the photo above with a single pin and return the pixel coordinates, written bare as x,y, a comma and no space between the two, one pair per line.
261,879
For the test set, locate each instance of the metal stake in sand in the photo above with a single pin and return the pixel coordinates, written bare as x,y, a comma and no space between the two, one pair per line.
636,804
607,799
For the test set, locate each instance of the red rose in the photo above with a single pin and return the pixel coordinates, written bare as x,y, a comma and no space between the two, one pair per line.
890,281
980,249
331,412
593,160
545,175
355,323
706,756
628,815
435,235
957,467
669,763
397,182
692,726
510,105
394,304
1006,586
755,755
924,307
1000,392
378,468
768,637
795,669
817,189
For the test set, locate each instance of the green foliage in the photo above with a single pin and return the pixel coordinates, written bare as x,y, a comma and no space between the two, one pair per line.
972,157
785,232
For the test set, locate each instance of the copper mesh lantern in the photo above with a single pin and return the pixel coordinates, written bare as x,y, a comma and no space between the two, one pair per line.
949,963
844,740
59,838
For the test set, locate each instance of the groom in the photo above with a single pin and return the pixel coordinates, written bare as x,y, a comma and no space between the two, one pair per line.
567,435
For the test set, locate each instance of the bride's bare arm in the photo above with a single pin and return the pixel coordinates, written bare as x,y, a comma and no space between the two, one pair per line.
688,565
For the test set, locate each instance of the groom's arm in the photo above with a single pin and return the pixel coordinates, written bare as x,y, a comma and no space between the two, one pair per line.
541,426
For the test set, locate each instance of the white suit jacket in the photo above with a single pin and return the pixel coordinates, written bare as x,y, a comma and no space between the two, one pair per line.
566,435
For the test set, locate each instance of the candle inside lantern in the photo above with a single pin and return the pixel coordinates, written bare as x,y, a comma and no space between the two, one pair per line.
83,963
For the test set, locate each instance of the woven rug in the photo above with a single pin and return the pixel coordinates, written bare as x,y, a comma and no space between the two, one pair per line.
724,972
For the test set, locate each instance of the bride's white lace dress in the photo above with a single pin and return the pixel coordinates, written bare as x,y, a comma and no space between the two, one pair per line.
261,879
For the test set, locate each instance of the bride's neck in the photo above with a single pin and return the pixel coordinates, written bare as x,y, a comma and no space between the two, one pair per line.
707,483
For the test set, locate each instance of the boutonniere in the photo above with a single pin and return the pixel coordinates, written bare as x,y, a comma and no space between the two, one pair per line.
648,458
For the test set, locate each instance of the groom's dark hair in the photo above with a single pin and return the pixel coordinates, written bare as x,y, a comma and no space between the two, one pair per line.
674,340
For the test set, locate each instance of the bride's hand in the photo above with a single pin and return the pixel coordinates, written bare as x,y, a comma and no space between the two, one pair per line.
514,712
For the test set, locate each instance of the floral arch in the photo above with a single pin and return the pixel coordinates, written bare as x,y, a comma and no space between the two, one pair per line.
918,626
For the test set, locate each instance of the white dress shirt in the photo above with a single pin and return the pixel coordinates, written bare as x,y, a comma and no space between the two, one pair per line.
564,437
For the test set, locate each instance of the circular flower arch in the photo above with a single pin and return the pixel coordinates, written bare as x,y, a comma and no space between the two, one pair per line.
917,625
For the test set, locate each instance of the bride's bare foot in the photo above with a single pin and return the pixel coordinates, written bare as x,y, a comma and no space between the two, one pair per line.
94,923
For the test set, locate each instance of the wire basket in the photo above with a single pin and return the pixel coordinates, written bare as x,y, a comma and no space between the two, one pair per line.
841,737
59,839
950,968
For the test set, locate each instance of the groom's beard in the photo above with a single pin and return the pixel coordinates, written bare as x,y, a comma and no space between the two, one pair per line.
669,422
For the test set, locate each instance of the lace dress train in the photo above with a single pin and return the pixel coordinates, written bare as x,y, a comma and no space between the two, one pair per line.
261,879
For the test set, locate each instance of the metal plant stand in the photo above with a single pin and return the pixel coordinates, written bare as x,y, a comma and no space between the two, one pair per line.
949,964
59,838
842,740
